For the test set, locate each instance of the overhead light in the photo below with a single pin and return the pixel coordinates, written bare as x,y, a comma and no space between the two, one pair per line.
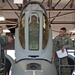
73,30
2,18
6,31
18,1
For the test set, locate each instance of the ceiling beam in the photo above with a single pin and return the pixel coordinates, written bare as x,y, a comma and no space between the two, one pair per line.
48,10
61,15
62,10
19,6
9,21
72,3
56,4
50,4
11,7
10,10
12,20
2,23
63,22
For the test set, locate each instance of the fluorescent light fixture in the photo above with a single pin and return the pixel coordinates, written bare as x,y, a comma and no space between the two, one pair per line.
73,30
6,31
2,18
18,1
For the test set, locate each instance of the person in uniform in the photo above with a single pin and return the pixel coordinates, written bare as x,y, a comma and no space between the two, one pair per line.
3,41
1,30
61,42
33,33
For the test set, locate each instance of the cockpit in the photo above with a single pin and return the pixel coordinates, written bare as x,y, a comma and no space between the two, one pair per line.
36,25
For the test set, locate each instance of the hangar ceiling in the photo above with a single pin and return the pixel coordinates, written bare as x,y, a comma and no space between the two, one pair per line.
60,13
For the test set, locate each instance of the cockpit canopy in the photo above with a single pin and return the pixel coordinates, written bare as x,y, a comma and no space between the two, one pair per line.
34,27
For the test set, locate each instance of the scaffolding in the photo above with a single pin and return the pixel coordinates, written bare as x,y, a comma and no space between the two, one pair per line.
67,66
